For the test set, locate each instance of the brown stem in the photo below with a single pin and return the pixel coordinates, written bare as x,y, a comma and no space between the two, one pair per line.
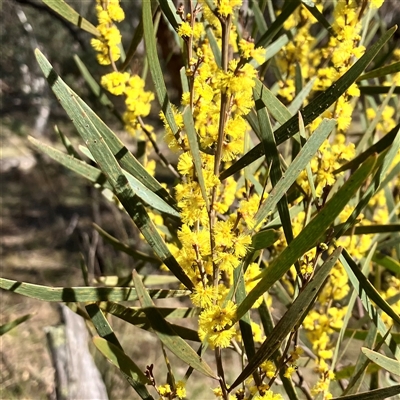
226,26
220,371
114,67
304,386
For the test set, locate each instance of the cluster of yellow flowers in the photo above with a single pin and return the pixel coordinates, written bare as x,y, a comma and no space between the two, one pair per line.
137,100
342,48
202,253
197,255
216,219
118,83
330,158
392,291
168,393
299,50
108,45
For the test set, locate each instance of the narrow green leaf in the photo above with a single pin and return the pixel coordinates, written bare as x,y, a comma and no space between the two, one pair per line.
141,190
259,18
137,255
361,334
275,107
288,9
276,222
268,325
383,163
292,318
298,101
137,379
136,315
363,363
350,266
12,324
360,367
370,291
320,18
130,164
67,12
119,150
372,90
101,324
378,147
299,163
125,193
382,71
264,238
154,63
388,364
66,142
213,44
273,159
377,394
125,364
77,294
167,335
251,118
136,39
169,10
368,133
149,280
387,262
309,235
80,167
184,80
368,229
390,176
308,166
195,152
133,45
316,107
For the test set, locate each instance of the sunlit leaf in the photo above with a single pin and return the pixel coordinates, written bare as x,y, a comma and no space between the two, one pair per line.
381,71
67,12
388,364
76,294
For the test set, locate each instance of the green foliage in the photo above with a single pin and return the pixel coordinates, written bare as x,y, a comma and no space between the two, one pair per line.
245,222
